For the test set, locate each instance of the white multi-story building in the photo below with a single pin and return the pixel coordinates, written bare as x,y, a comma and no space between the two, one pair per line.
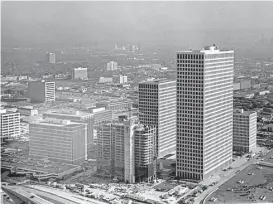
157,107
41,91
10,124
244,130
204,111
59,140
111,66
79,73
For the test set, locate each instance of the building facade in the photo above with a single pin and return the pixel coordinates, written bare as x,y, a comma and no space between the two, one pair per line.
145,153
79,73
59,140
204,111
75,116
157,107
244,130
111,66
118,154
10,124
50,58
41,91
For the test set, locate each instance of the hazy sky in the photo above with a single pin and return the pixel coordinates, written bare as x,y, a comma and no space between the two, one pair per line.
66,22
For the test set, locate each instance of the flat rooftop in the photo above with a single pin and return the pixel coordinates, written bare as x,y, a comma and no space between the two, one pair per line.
57,123
157,81
68,113
207,50
244,113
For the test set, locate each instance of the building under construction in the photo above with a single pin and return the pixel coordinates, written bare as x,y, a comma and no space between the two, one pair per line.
126,150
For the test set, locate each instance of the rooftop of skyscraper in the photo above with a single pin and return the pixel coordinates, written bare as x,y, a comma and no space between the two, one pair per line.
156,81
56,122
68,112
206,50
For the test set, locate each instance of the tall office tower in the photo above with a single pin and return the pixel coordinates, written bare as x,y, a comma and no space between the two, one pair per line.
50,58
157,107
204,111
79,73
145,153
10,124
41,91
111,66
60,140
244,130
75,116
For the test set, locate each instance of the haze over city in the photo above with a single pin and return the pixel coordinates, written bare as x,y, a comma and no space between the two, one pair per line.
136,102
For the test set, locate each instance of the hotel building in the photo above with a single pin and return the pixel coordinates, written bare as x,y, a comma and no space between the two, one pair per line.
41,91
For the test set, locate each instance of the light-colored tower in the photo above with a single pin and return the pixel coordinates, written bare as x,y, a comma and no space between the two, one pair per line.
204,111
244,130
111,66
157,107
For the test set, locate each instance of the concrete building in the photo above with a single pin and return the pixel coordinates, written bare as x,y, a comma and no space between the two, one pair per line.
50,58
75,116
245,84
236,86
157,107
118,154
59,140
123,79
10,124
79,73
41,91
204,111
111,66
244,130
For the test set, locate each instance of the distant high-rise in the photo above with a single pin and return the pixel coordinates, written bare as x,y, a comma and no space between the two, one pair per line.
79,73
41,91
204,111
157,107
244,130
50,58
111,66
10,124
60,140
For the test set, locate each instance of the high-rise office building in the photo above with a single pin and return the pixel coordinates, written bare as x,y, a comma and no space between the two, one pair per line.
10,124
204,111
75,116
41,91
157,107
79,73
59,140
244,130
50,58
126,150
111,66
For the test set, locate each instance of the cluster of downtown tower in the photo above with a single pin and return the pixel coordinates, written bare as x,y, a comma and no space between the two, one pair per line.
192,117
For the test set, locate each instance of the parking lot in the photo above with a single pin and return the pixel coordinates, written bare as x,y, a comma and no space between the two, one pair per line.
253,184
